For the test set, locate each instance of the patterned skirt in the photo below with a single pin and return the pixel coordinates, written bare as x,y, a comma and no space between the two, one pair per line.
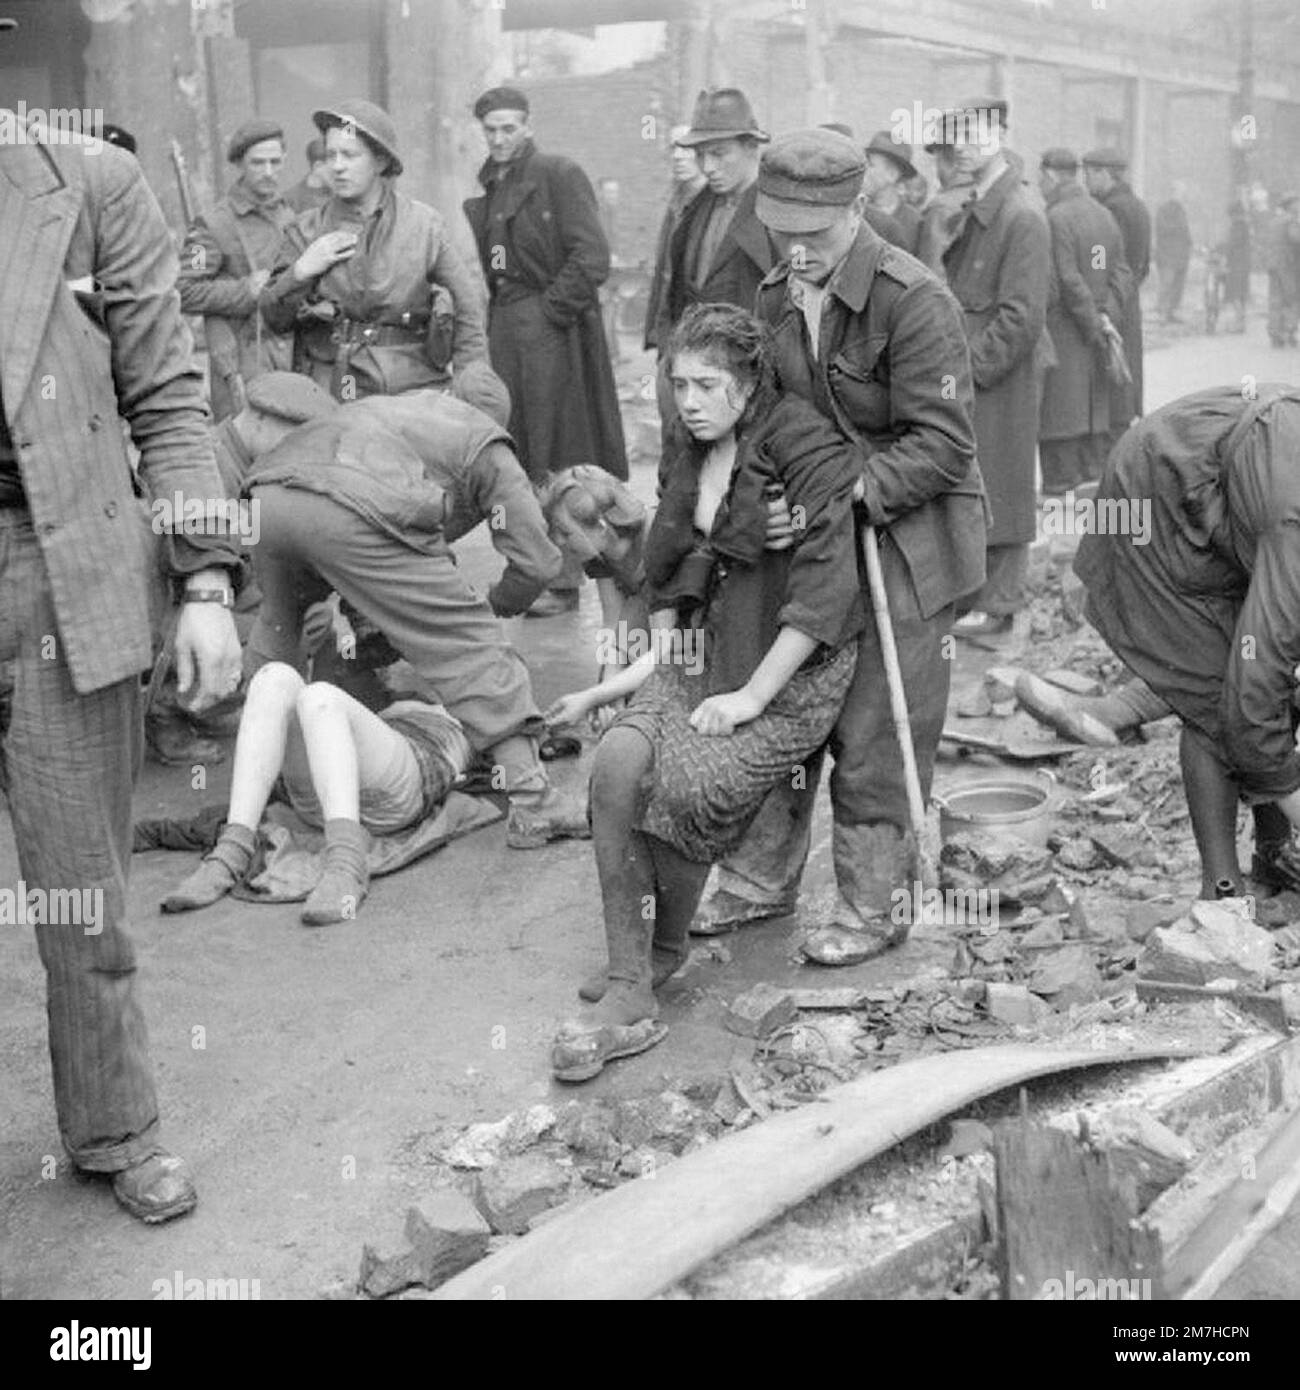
705,788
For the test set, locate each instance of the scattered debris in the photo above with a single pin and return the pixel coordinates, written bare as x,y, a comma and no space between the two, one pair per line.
442,1235
513,1191
760,1011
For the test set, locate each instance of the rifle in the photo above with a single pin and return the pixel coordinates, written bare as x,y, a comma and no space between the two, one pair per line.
183,185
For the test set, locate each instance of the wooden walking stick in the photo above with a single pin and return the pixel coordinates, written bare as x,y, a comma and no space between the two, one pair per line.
898,704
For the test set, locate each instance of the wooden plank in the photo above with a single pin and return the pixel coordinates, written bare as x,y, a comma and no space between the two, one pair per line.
1268,1008
638,1239
1240,1219
1067,1233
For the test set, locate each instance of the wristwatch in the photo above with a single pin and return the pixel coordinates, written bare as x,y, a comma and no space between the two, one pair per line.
225,597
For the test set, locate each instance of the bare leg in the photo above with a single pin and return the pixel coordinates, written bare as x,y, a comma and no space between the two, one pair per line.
1212,801
347,747
260,745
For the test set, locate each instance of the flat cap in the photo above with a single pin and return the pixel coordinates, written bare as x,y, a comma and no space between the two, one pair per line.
1059,158
998,106
807,178
252,133
478,385
7,23
290,396
839,126
1107,158
356,113
501,99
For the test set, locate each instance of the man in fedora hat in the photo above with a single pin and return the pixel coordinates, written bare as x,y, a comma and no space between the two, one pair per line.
998,268
1088,289
1103,176
868,335
720,251
889,165
227,259
88,301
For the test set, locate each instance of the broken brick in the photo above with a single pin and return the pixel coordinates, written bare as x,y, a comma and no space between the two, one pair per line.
1119,848
760,1011
1143,918
1015,1005
510,1194
1045,933
1144,1154
446,1234
1067,976
1000,683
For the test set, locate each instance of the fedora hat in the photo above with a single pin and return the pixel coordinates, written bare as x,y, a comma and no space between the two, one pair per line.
723,114
882,142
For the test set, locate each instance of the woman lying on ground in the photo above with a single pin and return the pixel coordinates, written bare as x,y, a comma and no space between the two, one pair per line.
345,769
763,653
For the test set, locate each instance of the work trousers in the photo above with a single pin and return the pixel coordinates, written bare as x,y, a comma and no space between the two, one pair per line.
867,786
311,544
1173,276
1066,463
68,762
1003,593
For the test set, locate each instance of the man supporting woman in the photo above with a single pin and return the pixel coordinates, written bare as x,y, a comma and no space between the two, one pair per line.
683,770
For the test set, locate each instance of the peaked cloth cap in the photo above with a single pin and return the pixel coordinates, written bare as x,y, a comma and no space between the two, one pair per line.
806,178
1059,158
1105,159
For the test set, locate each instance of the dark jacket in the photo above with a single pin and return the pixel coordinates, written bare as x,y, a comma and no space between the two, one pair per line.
222,250
744,257
1089,277
471,459
893,373
68,213
998,270
679,199
1173,235
1135,227
1207,611
743,594
539,237
906,228
406,279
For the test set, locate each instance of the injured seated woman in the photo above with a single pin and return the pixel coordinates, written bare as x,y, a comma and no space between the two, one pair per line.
754,650
343,768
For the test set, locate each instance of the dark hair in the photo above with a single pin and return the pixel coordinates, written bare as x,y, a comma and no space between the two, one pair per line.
729,338
316,150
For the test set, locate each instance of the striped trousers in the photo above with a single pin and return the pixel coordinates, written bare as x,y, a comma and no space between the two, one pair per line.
68,763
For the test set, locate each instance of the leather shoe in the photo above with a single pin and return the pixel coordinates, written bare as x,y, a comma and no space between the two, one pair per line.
837,944
173,741
556,817
725,911
552,602
157,1188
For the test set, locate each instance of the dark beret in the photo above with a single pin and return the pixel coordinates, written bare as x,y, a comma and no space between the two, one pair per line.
249,134
290,396
1105,159
500,99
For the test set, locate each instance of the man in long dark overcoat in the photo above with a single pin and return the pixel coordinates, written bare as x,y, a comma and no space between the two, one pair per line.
545,256
998,268
1103,172
1090,278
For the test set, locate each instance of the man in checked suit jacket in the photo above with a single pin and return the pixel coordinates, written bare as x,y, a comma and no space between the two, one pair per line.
90,329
